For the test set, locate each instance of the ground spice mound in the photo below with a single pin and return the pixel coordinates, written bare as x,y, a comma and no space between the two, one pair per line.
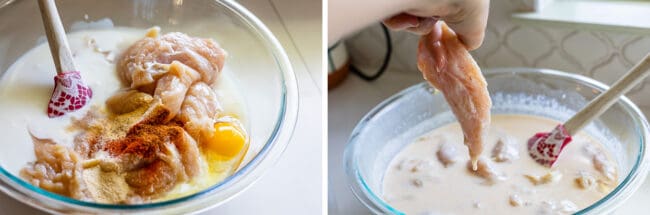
142,150
144,140
153,166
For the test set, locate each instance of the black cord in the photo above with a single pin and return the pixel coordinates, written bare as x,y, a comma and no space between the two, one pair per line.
384,65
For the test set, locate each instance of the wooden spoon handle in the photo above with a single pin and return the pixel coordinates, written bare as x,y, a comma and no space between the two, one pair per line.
599,105
56,37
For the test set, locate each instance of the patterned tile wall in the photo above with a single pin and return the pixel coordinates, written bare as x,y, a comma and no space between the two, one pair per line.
602,55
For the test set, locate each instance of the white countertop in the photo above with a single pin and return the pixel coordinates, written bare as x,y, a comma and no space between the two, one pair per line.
294,184
349,102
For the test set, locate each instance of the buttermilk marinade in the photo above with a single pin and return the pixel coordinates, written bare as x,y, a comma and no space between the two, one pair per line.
433,175
155,128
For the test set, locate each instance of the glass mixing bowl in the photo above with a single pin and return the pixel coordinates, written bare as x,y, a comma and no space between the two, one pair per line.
382,133
256,59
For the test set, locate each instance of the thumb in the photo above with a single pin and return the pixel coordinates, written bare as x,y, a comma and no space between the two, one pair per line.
470,24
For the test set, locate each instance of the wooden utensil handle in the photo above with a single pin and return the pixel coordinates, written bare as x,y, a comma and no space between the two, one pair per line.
56,37
603,101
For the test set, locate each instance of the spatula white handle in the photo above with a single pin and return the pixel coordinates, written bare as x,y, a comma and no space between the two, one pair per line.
603,101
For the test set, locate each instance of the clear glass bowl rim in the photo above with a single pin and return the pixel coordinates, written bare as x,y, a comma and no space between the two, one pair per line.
632,181
274,146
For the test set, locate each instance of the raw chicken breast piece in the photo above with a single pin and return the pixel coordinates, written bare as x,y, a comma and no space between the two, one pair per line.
57,169
171,88
447,65
143,63
447,154
486,170
199,111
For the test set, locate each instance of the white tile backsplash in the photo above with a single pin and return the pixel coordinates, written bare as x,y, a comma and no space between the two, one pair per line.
602,55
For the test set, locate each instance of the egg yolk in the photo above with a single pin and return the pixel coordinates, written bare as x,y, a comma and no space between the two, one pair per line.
228,140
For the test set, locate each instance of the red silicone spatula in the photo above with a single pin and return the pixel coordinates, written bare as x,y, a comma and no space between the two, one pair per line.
545,148
70,93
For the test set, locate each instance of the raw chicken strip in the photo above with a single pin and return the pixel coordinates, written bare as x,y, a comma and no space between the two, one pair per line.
174,164
166,66
199,111
600,162
505,150
447,154
143,63
585,181
171,88
57,169
448,66
155,157
602,165
550,177
486,170
146,141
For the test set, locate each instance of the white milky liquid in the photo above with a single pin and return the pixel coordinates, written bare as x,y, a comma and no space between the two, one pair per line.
25,89
432,188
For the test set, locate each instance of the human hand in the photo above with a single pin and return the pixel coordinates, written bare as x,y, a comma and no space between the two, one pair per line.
468,18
